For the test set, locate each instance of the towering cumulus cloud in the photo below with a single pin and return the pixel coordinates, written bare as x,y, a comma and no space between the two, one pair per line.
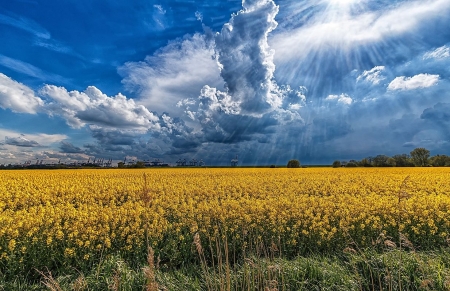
251,103
245,59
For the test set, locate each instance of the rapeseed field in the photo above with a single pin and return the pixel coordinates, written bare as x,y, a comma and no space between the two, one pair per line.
60,219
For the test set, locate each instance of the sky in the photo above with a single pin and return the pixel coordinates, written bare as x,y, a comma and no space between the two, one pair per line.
264,80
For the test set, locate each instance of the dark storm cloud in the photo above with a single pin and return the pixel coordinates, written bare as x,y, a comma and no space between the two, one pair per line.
324,129
21,142
237,128
67,147
113,136
439,113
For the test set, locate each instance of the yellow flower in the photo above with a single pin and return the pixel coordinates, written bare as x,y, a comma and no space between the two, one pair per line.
12,245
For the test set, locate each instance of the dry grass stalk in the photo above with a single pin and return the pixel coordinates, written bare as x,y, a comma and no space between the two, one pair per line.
349,250
273,286
198,244
203,263
80,284
149,271
250,262
116,281
427,284
49,281
390,244
406,242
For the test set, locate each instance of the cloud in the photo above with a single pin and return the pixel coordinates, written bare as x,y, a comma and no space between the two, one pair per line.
67,147
18,97
251,104
30,140
160,9
159,18
57,46
42,38
439,113
245,60
30,70
198,16
26,25
63,157
114,136
416,82
21,142
439,53
326,129
94,107
373,76
175,72
343,99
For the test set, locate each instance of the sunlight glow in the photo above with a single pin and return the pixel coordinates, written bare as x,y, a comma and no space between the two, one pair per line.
342,3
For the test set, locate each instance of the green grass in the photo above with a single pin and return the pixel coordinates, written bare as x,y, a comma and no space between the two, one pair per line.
367,270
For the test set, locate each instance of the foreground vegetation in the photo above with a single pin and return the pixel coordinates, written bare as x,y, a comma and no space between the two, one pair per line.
365,227
369,270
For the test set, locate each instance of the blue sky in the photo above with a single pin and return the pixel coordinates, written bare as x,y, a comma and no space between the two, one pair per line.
265,80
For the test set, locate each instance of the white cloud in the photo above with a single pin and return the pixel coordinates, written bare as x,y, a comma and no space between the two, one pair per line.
94,107
416,82
29,69
198,15
176,72
160,9
17,138
25,24
245,59
439,53
343,99
373,76
18,97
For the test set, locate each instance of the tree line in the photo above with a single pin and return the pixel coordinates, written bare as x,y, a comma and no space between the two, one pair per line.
419,157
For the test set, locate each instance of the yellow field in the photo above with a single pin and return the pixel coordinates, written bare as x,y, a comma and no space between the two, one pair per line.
67,217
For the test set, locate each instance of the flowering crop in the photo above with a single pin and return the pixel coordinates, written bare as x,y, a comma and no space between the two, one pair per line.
64,218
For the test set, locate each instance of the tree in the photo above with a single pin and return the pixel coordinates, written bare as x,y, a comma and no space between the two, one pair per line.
440,161
380,161
121,165
403,160
293,164
391,162
420,156
139,164
336,164
365,163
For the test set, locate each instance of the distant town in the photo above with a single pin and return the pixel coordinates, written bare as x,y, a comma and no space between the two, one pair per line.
108,163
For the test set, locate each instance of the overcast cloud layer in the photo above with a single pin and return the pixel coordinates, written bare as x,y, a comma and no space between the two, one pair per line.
265,80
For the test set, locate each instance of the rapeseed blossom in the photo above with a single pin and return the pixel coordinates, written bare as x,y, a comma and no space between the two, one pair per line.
73,216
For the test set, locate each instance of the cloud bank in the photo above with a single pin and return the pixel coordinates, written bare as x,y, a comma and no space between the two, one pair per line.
94,107
18,97
416,82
